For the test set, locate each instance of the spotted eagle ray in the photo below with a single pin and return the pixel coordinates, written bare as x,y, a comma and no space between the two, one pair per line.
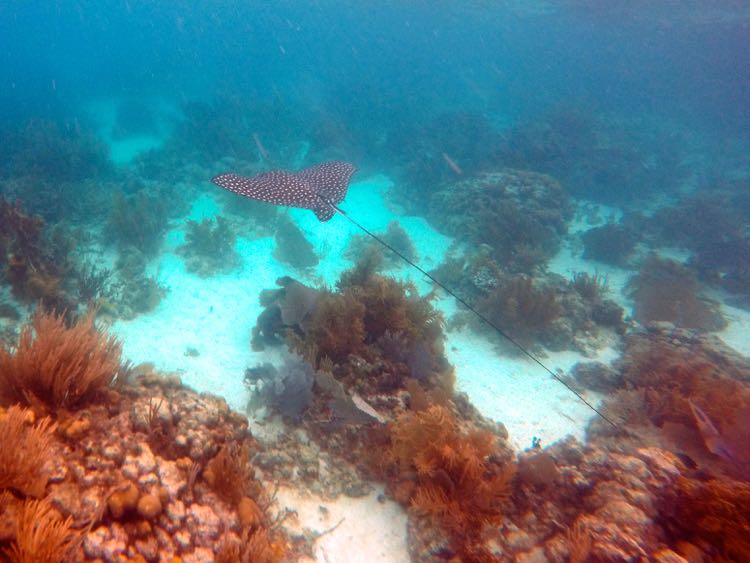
320,188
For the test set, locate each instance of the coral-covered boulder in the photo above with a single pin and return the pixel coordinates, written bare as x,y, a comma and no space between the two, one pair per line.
520,215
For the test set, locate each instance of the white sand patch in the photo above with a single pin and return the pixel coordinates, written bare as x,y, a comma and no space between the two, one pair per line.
370,531
214,316
125,150
365,204
737,332
102,113
519,393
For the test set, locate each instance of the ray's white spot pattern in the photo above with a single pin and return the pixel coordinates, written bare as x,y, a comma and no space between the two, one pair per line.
310,188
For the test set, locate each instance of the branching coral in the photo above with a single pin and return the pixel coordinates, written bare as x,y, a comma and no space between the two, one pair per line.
457,480
521,309
337,326
253,547
229,473
94,283
590,287
139,220
370,317
42,536
56,366
367,308
396,307
34,264
25,451
394,236
52,153
210,247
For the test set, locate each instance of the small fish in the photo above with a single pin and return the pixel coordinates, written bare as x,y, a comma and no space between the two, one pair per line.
318,188
687,460
715,443
261,149
452,165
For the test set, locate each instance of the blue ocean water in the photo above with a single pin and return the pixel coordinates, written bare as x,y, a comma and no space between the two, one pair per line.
576,172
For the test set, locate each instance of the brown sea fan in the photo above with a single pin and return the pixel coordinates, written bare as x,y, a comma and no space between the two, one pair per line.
57,366
42,536
230,474
25,449
457,482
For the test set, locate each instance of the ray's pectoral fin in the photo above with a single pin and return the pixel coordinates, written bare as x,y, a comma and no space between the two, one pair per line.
323,211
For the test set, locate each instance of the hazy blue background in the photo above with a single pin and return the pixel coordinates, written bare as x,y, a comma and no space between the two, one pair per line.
379,60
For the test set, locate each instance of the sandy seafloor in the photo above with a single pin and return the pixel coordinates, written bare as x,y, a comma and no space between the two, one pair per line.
215,315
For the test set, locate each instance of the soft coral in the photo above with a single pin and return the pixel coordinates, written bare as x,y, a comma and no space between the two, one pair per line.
452,474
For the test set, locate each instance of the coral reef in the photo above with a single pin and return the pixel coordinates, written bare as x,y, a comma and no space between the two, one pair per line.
367,308
599,157
664,290
622,496
713,226
715,512
286,308
365,314
241,130
26,450
57,367
390,369
138,221
260,218
612,243
688,394
395,236
42,536
454,474
210,247
595,376
134,291
685,392
440,149
542,310
94,283
521,309
34,260
52,152
703,223
519,215
145,470
590,287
